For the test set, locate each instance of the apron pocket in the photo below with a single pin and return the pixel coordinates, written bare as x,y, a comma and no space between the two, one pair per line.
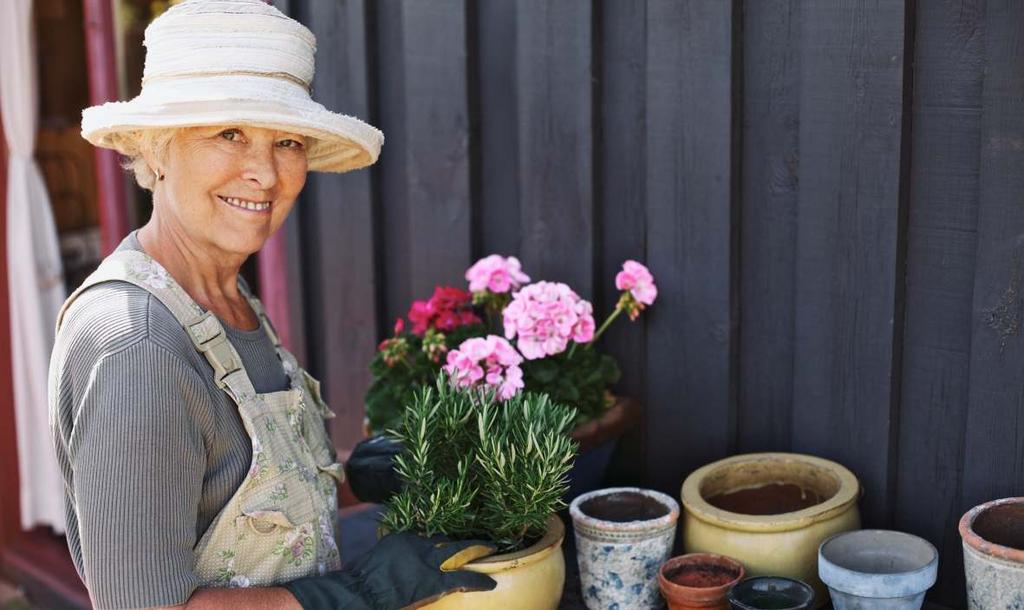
336,470
267,521
314,389
283,503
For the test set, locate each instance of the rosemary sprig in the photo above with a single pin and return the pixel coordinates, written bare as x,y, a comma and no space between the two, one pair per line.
474,467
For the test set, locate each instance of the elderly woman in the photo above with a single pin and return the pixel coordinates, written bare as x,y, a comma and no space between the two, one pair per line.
197,467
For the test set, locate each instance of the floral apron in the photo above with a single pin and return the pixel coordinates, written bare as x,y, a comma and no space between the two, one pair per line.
280,523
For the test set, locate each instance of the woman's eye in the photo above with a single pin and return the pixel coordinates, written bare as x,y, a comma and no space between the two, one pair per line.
230,134
291,143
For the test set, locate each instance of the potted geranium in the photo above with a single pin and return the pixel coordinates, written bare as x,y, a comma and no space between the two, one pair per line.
473,466
548,336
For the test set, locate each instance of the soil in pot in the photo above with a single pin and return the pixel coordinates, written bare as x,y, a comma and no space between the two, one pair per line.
1002,525
623,507
771,499
702,576
699,581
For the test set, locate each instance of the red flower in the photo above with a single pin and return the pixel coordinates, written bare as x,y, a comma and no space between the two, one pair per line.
446,297
447,309
420,315
467,317
447,321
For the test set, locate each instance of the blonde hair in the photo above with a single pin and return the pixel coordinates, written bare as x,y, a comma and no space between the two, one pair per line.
153,141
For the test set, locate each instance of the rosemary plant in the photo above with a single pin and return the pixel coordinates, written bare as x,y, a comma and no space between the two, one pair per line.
474,467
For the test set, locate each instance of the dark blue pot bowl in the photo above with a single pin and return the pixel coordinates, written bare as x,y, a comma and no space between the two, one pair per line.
771,593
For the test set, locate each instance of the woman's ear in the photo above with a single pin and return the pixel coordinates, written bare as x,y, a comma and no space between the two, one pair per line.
151,161
154,149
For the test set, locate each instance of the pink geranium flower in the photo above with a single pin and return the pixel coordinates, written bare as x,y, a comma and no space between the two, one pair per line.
497,274
489,361
635,278
545,316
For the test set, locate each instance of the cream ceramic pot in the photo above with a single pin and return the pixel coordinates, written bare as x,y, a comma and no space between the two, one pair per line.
532,578
782,544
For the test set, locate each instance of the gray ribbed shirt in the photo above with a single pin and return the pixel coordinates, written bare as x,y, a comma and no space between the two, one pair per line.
150,448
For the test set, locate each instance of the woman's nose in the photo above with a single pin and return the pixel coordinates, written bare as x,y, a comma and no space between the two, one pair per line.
261,166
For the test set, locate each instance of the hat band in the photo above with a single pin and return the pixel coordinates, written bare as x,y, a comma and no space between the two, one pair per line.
278,75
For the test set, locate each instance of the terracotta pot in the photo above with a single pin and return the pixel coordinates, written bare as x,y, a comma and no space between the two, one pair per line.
699,580
993,540
531,578
623,535
770,512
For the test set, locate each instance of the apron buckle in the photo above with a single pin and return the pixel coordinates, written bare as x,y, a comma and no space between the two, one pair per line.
209,338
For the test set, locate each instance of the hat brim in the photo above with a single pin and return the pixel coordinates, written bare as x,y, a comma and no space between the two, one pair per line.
339,143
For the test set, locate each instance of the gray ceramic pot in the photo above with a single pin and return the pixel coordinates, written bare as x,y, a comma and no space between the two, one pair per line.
993,538
623,535
877,570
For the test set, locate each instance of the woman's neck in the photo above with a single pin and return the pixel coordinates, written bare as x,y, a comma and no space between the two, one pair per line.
209,276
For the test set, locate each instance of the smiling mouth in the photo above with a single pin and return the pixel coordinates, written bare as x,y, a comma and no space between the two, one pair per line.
245,204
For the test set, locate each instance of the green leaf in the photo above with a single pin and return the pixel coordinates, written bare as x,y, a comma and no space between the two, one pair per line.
544,371
477,468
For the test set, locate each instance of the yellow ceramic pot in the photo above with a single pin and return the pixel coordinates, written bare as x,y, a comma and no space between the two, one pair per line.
532,578
781,544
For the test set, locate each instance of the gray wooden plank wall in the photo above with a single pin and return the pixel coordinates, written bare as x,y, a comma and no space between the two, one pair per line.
831,195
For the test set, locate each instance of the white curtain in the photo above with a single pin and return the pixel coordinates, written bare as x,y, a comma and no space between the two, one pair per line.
35,279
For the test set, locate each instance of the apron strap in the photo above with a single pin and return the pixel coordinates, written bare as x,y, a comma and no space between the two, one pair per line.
288,360
203,327
261,313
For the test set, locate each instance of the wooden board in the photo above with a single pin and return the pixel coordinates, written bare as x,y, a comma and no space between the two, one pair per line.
689,207
497,229
848,252
425,190
338,226
554,141
942,242
770,183
621,223
993,464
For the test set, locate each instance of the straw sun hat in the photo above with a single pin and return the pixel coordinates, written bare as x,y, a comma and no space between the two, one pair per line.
232,62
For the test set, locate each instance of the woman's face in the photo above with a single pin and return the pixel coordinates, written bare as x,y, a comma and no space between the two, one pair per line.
229,188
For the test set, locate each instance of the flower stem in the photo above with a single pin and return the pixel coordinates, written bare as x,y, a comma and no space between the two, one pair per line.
607,323
600,331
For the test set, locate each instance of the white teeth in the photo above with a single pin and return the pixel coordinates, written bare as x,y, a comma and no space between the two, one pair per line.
248,205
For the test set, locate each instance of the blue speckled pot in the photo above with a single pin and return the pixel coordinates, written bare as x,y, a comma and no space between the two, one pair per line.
619,559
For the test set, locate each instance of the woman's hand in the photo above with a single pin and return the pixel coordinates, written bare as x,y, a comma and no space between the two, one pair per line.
268,598
402,571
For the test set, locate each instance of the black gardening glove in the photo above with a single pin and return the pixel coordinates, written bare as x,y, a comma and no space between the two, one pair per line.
370,469
402,571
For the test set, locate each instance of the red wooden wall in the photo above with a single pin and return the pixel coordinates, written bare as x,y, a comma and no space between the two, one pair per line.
9,512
